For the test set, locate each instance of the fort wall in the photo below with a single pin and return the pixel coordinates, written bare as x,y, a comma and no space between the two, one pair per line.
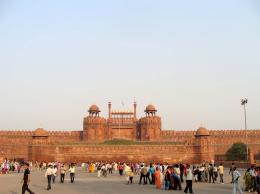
68,146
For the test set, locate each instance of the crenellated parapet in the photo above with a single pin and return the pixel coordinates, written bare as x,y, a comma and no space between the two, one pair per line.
21,133
178,136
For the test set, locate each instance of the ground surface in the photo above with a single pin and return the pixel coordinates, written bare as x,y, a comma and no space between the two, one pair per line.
86,183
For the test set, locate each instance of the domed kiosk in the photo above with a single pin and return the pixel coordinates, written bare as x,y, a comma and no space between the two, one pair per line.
40,132
150,110
202,131
94,110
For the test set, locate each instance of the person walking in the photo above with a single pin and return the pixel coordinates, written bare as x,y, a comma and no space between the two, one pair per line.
72,173
157,176
148,175
98,170
221,173
176,176
215,171
120,169
235,181
143,174
62,173
26,179
206,170
182,169
131,176
248,181
167,178
231,170
54,173
48,175
252,173
151,172
258,181
189,177
127,171
211,173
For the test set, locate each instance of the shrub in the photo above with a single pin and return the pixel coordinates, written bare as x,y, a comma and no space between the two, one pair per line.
237,152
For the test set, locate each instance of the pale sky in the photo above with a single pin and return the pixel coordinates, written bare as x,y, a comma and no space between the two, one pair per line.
193,60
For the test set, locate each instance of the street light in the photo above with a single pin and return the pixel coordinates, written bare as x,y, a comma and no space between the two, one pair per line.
243,103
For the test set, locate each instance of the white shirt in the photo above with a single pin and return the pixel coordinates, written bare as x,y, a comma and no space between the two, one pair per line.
48,172
177,170
189,174
72,170
54,171
236,175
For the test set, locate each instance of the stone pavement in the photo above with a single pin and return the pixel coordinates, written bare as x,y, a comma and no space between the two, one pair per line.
86,183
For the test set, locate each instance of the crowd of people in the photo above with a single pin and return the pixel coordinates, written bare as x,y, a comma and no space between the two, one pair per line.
166,176
10,166
54,168
252,179
169,177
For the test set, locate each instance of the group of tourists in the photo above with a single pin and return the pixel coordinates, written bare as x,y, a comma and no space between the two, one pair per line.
52,172
166,176
174,175
208,173
9,166
252,179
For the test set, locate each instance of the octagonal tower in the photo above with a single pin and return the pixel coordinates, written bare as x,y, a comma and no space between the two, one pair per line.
149,126
94,125
204,145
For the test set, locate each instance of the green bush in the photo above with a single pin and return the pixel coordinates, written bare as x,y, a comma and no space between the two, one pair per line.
237,152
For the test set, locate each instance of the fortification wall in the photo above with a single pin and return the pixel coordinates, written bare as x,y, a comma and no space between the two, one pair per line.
14,150
146,153
68,145
224,139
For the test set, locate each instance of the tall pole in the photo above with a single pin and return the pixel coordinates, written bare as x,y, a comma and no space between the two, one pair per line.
243,103
109,110
119,125
246,133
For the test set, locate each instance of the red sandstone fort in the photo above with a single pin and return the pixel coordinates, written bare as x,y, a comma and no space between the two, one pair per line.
100,140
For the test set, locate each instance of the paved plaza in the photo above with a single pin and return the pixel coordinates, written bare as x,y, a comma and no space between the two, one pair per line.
90,184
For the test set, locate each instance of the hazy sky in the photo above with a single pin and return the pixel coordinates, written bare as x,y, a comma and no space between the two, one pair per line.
193,60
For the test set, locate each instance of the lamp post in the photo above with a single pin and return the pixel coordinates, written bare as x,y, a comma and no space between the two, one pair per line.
243,103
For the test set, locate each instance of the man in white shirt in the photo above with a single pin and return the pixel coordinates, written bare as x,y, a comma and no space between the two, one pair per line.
235,181
221,173
54,173
189,177
72,173
48,175
177,178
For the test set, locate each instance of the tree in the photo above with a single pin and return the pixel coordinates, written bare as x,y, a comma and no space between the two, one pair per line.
237,152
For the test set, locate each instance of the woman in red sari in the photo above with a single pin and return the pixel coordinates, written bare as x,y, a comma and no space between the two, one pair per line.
157,175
